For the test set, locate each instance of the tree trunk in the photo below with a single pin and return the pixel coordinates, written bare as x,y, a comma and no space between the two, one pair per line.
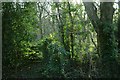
40,20
119,29
71,31
60,24
105,36
107,41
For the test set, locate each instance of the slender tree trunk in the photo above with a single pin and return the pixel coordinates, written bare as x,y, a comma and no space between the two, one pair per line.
40,19
119,35
71,32
119,29
60,22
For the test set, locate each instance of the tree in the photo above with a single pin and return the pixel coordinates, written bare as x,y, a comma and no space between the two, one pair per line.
19,29
105,35
119,28
71,30
60,23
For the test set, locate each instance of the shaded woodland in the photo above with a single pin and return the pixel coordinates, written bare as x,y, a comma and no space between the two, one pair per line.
60,40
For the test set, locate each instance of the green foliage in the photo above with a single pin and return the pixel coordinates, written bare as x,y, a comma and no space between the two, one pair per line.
17,27
40,41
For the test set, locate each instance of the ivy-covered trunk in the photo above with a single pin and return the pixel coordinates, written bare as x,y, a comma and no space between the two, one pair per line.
107,41
105,36
107,52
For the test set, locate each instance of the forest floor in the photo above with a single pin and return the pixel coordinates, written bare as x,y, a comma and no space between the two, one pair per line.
30,71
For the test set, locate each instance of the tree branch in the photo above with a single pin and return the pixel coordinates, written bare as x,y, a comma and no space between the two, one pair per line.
92,14
119,4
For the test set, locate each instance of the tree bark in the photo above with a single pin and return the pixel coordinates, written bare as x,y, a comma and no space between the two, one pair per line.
107,40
